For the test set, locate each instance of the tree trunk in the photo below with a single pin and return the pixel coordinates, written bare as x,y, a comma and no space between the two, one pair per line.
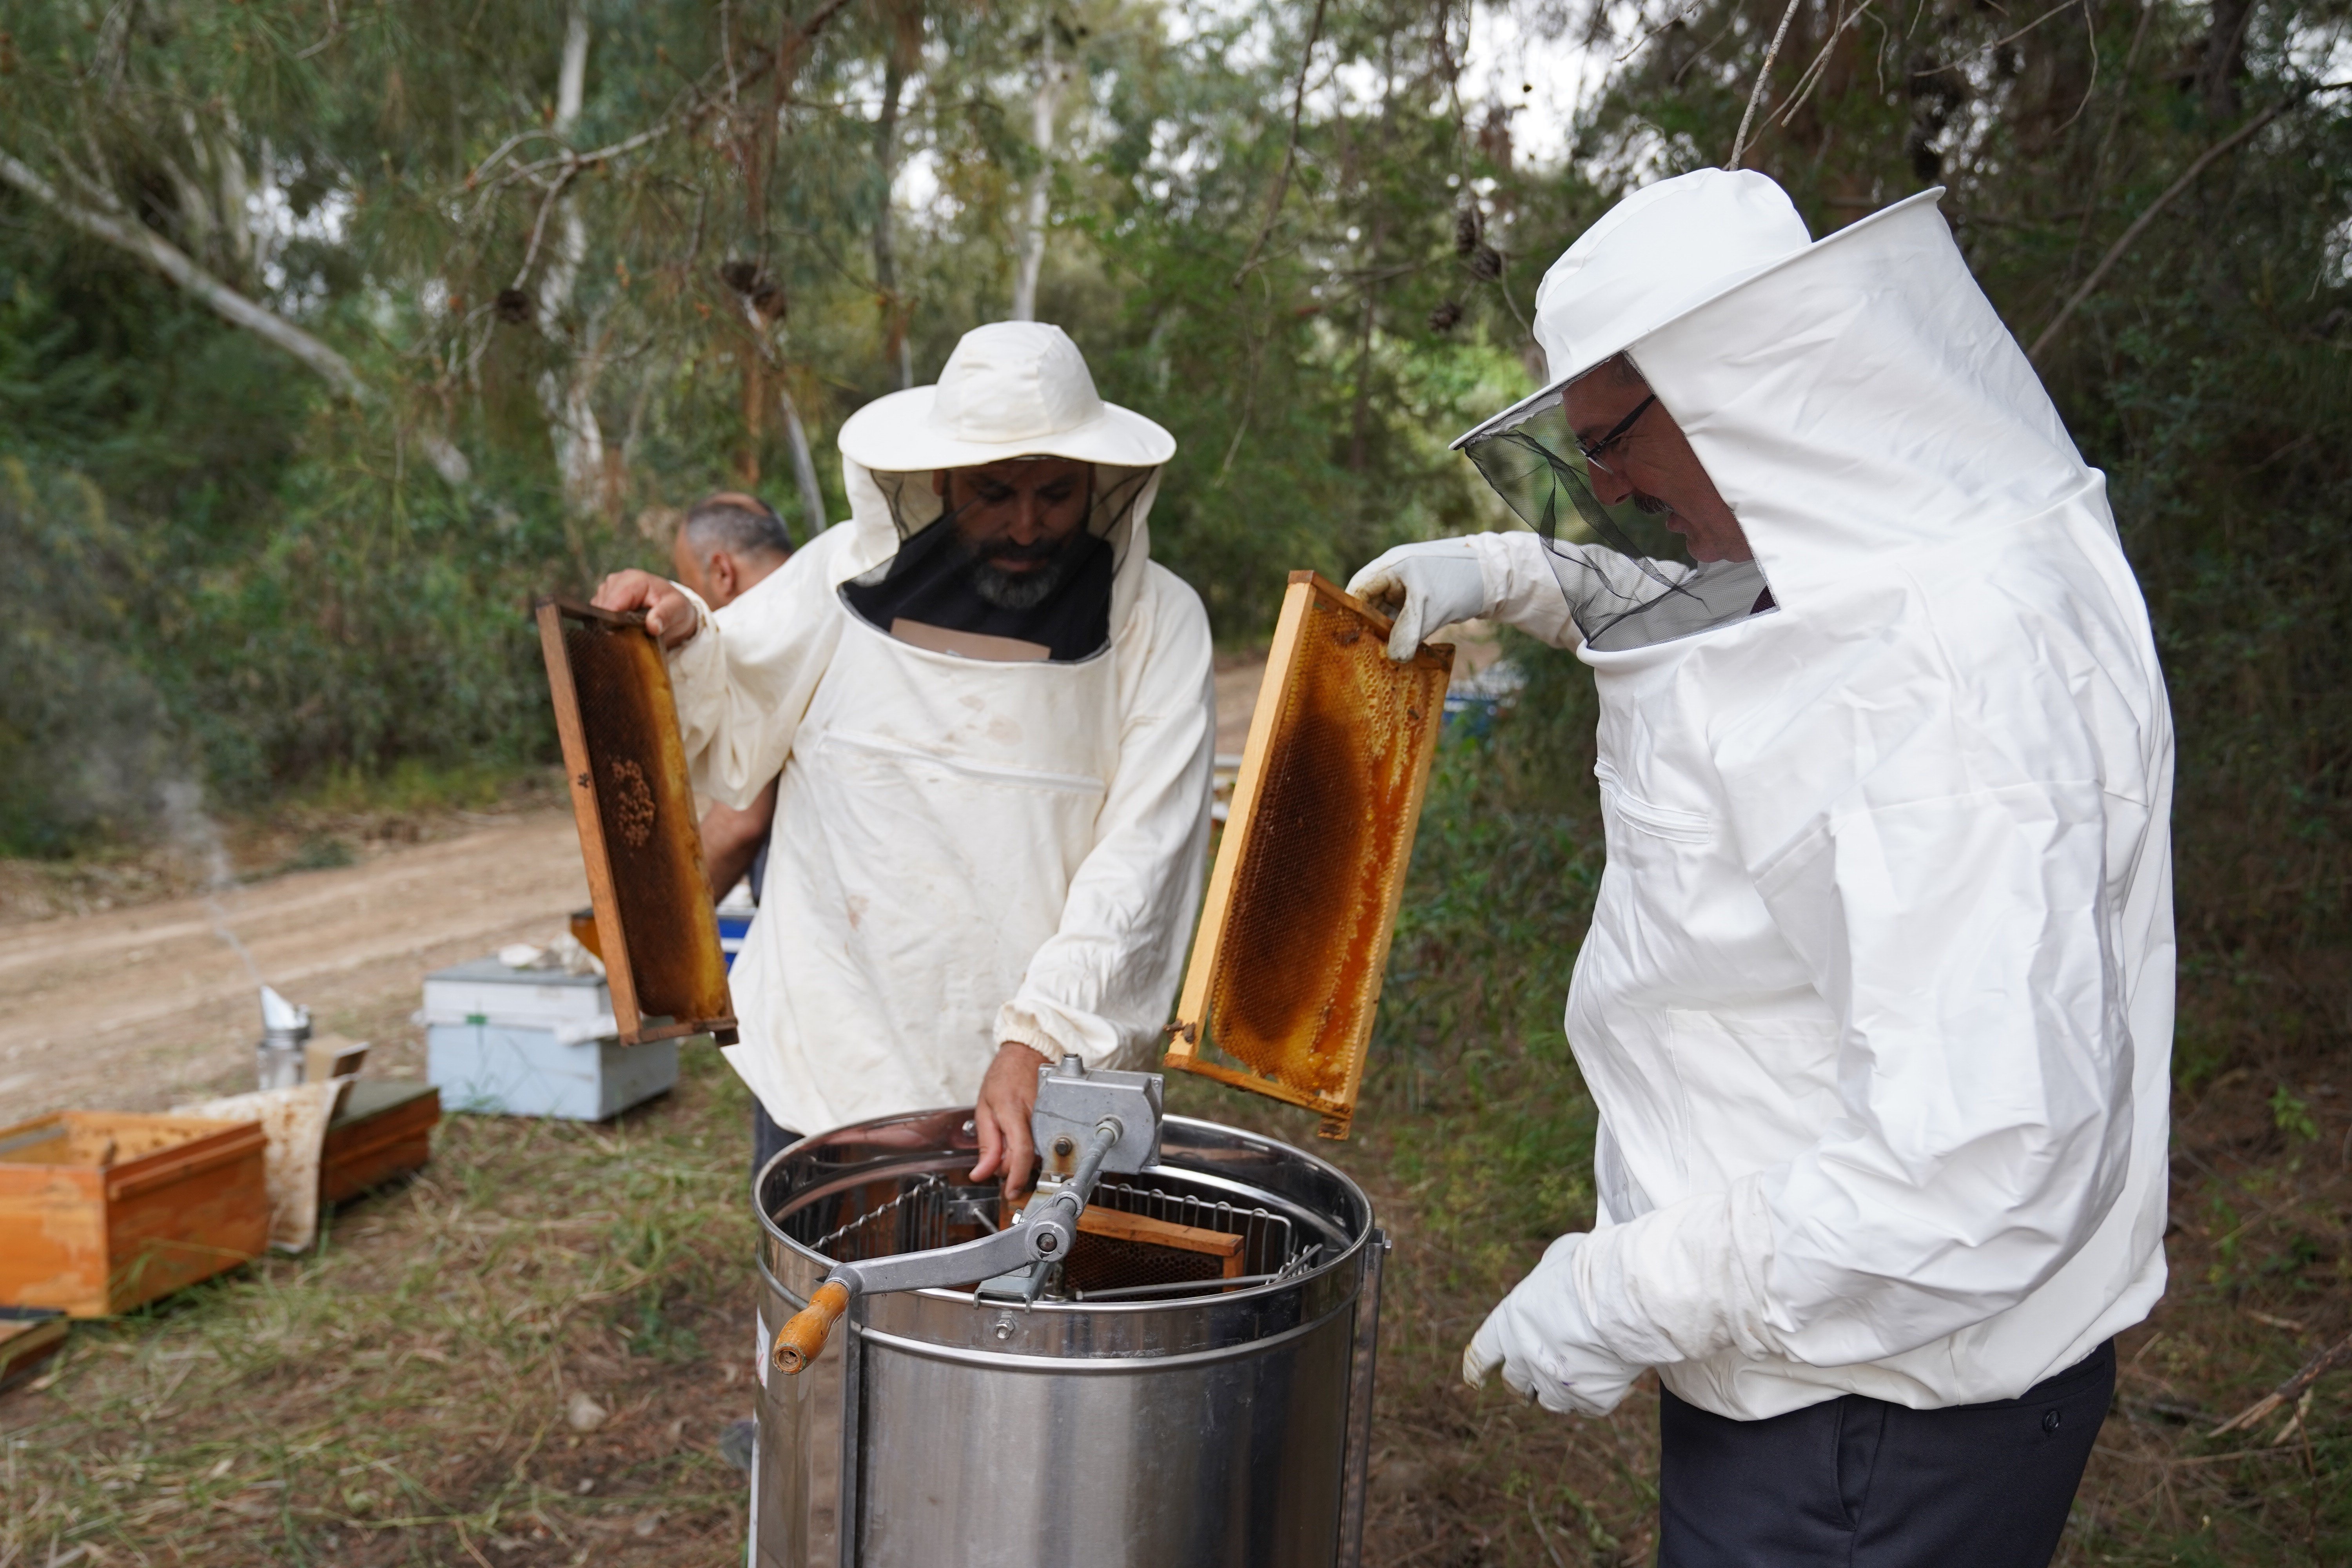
567,397
753,405
1359,427
804,461
1031,256
895,351
2224,57
571,79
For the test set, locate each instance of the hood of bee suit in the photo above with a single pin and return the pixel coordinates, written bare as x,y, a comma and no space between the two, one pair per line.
1011,389
1854,398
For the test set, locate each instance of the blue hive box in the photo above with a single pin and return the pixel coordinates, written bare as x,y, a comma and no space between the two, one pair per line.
534,1042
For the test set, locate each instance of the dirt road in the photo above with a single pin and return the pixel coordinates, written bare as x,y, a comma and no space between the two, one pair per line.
138,1008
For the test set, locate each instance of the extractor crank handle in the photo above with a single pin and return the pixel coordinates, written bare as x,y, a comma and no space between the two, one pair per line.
1046,1236
1015,1247
804,1333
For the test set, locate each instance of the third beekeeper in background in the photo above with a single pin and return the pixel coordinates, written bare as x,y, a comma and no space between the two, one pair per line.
992,714
726,545
1877,1004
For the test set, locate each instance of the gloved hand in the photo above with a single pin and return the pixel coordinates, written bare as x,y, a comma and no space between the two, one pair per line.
1546,1345
1425,586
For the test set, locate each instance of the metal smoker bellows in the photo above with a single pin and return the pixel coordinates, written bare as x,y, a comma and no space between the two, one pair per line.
1082,1384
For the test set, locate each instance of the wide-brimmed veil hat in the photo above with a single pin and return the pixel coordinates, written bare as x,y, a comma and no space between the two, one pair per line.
1664,251
1681,249
1012,389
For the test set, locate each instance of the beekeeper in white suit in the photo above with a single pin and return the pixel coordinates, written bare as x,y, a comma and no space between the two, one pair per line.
992,714
1877,1004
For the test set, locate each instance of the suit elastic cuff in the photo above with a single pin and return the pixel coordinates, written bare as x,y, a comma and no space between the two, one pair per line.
1056,1032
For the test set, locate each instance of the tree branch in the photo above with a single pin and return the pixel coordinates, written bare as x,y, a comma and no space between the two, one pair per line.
1289,153
1763,74
2294,1388
2116,251
120,230
124,232
698,101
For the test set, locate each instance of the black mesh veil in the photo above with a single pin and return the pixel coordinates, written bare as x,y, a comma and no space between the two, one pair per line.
1628,579
915,505
939,582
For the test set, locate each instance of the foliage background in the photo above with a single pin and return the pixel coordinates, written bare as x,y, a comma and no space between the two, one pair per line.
597,249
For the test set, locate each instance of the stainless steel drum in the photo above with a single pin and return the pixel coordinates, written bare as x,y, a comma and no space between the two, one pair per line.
1143,1422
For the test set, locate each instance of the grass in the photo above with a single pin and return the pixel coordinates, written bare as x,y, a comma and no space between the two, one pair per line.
404,1396
412,787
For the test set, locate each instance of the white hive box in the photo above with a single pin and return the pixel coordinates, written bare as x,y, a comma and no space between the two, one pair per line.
534,1042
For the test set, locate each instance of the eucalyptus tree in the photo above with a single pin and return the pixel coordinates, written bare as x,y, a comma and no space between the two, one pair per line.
435,206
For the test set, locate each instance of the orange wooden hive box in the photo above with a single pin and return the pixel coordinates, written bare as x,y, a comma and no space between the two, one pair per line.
383,1130
103,1211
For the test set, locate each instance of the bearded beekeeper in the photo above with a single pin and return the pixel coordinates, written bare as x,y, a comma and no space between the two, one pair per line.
1877,1004
992,714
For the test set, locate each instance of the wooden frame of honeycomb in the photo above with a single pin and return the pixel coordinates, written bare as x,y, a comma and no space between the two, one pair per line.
1285,979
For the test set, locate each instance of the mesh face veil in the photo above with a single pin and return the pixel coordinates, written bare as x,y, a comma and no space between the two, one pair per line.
1110,506
1055,596
1628,579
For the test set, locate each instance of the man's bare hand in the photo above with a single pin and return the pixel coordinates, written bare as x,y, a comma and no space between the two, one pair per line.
670,615
1007,1094
731,838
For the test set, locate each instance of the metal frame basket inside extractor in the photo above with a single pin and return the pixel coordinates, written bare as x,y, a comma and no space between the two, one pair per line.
1220,1421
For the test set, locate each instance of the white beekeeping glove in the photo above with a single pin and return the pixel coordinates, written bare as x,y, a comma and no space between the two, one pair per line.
1425,586
1546,1345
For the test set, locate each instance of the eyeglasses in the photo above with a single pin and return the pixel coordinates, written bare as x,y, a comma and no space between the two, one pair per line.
1617,432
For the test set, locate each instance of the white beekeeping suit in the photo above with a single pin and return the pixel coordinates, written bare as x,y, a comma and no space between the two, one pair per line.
1877,1004
967,851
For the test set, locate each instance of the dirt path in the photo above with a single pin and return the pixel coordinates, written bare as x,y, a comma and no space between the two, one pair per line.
136,1008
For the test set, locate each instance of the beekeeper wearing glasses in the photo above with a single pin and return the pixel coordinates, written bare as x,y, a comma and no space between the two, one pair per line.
992,714
1876,1003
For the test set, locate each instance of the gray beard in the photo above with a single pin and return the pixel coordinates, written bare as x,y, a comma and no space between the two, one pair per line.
1018,590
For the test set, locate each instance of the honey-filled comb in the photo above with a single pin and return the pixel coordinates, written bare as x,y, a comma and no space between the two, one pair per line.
640,835
1285,978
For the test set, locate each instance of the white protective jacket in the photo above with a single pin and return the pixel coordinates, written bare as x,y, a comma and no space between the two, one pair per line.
965,852
1876,1003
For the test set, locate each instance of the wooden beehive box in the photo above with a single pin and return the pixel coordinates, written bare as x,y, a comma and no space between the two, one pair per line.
102,1211
384,1130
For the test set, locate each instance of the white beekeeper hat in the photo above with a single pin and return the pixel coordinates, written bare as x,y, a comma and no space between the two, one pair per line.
1658,255
1012,389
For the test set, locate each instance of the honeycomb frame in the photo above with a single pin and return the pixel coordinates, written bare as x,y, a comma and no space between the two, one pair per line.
1284,977
640,836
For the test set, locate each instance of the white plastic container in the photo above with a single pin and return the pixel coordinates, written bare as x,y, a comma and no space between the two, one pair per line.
534,1042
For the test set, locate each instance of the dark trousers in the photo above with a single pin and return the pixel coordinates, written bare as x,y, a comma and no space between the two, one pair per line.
768,1140
1860,1483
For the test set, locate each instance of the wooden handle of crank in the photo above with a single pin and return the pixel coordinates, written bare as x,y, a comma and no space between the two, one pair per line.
805,1334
